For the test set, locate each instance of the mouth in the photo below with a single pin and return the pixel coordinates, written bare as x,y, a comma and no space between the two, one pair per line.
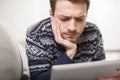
70,35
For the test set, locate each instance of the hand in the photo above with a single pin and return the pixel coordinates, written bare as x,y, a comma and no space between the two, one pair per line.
117,77
69,46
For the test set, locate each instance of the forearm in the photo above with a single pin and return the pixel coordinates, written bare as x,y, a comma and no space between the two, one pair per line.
40,75
64,59
46,74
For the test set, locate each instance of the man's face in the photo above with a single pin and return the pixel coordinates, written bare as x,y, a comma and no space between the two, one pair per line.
71,19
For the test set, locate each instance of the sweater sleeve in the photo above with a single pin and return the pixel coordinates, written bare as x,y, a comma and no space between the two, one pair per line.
97,42
46,74
39,61
64,59
99,52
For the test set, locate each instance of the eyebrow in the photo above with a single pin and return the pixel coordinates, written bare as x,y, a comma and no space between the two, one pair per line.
81,16
63,16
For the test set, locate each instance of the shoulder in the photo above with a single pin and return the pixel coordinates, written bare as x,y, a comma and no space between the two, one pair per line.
91,33
91,28
40,33
39,26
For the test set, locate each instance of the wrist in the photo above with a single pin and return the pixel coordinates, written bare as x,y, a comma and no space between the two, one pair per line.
71,53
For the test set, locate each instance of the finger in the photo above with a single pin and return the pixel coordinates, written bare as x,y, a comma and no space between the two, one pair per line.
56,30
60,39
111,78
53,24
118,72
54,27
59,36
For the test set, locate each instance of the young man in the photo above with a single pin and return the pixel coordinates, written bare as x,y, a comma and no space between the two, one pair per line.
64,38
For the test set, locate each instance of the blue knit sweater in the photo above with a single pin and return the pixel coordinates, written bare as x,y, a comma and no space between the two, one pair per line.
43,51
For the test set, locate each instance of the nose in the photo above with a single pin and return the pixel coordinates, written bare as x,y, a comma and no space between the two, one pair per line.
72,26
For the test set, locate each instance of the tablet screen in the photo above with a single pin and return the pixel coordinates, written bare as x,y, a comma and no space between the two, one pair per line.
85,71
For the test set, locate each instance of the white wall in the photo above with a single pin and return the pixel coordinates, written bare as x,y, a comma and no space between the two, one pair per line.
17,15
106,14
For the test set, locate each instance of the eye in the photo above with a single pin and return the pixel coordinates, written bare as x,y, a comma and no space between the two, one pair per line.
64,19
80,19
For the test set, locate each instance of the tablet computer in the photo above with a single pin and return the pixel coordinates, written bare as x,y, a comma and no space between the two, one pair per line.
85,71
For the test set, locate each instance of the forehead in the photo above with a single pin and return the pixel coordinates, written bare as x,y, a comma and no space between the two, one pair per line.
69,8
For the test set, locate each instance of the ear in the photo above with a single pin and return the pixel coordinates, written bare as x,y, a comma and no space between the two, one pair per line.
51,13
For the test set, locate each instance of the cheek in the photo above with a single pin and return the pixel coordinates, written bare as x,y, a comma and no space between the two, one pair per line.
63,27
80,28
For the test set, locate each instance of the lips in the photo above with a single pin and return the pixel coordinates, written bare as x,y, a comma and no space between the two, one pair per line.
70,35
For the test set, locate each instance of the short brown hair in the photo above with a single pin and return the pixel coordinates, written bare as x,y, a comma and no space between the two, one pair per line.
53,2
